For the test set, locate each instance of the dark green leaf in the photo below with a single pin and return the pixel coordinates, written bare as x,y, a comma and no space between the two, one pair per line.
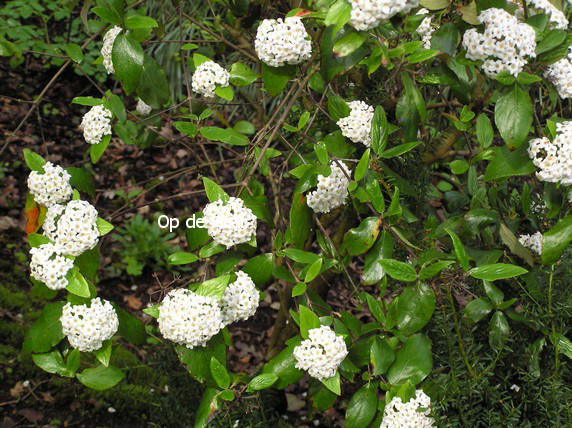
101,377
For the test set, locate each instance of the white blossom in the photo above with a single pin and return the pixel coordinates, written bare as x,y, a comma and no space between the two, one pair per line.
51,187
280,42
414,413
107,48
142,108
505,44
368,14
560,75
229,223
87,327
555,16
240,299
321,354
96,123
207,77
357,126
553,158
72,227
534,242
50,266
332,190
425,30
188,318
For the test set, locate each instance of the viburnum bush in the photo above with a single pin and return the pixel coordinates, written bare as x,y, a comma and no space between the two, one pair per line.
411,157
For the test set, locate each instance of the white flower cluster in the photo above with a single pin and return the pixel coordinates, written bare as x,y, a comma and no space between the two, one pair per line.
51,187
357,126
321,354
555,16
207,77
368,14
189,319
87,327
281,42
560,74
505,44
415,413
72,227
553,159
96,123
229,223
332,190
425,30
142,108
50,266
534,242
240,299
107,48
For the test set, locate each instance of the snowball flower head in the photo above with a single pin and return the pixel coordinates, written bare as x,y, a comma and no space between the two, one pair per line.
414,413
142,108
51,187
553,158
425,30
240,299
357,126
229,223
87,327
560,75
96,123
321,354
505,44
72,227
280,42
332,190
368,14
50,266
107,48
534,242
207,77
189,319
555,16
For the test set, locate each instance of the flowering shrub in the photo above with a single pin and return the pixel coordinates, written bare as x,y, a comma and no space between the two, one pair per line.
389,156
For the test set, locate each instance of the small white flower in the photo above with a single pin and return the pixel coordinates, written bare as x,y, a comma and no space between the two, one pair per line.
280,42
50,266
357,126
189,319
142,108
425,30
332,190
555,16
229,223
321,354
96,123
51,187
414,413
553,158
560,74
368,14
87,327
107,48
240,299
207,77
534,242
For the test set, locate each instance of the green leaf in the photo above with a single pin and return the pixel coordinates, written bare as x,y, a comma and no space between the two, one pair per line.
198,359
459,167
435,4
242,74
46,331
275,79
379,130
446,38
321,151
349,43
414,95
196,236
512,242
77,284
308,321
187,128
74,51
373,272
496,271
485,131
477,309
551,39
413,361
300,221
262,381
460,252
313,270
34,161
338,14
562,343
399,150
259,268
182,258
398,270
556,240
337,107
283,366
513,116
117,108
207,407
81,180
415,308
130,328
87,101
299,289
127,56
101,377
214,287
434,269
136,22
508,163
35,240
96,150
219,373
360,239
103,354
422,55
362,166
499,331
104,227
51,362
153,88
333,383
214,191
362,407
381,356
225,92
